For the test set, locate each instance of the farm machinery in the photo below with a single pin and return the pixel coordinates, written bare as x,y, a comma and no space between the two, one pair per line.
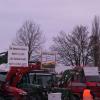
77,81
10,82
24,83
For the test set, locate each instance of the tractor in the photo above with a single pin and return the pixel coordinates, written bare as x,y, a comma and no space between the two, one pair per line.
10,83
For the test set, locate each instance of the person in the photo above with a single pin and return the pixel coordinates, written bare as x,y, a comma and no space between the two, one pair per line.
88,94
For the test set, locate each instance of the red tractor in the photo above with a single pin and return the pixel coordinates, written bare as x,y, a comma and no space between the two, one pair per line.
11,80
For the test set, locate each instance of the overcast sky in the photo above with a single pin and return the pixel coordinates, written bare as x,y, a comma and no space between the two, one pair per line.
52,16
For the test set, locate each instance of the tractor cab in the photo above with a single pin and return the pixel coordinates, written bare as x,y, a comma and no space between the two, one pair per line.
42,77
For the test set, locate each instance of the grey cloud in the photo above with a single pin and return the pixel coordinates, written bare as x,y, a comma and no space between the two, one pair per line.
52,15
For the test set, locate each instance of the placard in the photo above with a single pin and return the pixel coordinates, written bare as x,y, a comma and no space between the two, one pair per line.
18,56
48,57
91,71
54,96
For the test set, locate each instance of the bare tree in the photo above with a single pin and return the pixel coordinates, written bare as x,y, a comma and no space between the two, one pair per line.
95,42
73,48
29,35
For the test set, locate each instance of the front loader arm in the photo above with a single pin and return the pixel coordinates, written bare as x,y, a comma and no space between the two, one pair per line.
15,74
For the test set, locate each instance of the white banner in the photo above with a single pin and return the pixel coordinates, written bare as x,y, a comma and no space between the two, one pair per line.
48,56
18,56
91,71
